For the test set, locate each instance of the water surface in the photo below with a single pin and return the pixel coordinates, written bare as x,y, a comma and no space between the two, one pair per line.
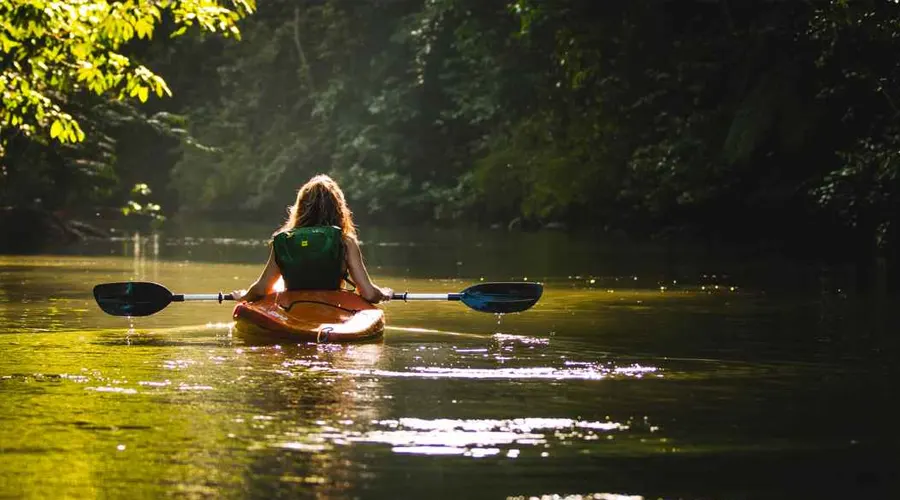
619,383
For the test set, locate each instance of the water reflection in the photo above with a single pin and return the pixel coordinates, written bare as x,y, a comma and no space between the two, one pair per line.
295,406
591,372
591,391
588,496
482,437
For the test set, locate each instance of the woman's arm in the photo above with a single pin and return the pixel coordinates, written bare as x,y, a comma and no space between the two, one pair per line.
263,284
360,276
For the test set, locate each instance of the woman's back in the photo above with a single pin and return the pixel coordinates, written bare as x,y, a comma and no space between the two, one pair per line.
310,258
316,247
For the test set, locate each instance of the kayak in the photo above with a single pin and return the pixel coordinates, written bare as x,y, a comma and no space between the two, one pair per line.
311,315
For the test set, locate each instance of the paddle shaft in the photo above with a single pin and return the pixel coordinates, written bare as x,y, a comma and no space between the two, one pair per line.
136,298
186,297
426,296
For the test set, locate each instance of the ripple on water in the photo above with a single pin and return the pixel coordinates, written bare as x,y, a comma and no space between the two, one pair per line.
587,371
578,496
522,339
473,438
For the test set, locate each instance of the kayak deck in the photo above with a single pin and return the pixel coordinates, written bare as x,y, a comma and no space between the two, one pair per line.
311,315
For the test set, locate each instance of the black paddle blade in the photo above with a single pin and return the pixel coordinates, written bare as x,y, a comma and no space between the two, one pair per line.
133,298
502,297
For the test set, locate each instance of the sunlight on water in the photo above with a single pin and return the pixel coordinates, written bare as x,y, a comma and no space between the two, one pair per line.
430,330
517,425
523,339
572,396
593,372
587,496
119,390
513,438
310,448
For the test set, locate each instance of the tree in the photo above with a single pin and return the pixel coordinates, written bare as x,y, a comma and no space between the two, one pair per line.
53,50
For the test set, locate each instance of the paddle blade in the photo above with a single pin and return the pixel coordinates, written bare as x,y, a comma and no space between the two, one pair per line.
502,297
133,298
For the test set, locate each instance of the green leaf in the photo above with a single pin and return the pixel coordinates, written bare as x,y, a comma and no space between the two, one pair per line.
144,28
81,50
56,129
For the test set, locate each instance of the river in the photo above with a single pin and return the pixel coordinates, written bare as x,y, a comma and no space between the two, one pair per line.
641,373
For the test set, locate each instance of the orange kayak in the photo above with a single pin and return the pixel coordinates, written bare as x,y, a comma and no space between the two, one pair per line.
311,316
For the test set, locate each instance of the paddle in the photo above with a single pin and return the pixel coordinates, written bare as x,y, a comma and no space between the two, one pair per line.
141,298
488,297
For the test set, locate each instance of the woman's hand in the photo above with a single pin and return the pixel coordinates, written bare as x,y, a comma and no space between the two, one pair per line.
251,295
386,293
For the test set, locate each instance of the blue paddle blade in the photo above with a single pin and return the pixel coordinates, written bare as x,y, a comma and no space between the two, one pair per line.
502,297
132,298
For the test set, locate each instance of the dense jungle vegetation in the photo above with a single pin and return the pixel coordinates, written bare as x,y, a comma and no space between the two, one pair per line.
729,119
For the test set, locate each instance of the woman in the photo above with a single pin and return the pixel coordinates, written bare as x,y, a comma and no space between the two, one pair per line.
316,248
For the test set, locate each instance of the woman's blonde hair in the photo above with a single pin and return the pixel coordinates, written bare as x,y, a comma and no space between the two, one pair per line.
320,202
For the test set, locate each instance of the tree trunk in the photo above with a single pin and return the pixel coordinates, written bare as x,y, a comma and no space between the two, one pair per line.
304,63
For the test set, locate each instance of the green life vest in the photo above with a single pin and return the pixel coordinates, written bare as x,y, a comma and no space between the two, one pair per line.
310,258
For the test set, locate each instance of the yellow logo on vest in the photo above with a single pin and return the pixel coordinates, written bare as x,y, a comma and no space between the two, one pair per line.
304,243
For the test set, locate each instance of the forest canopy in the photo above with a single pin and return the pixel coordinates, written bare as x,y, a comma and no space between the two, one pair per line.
735,118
